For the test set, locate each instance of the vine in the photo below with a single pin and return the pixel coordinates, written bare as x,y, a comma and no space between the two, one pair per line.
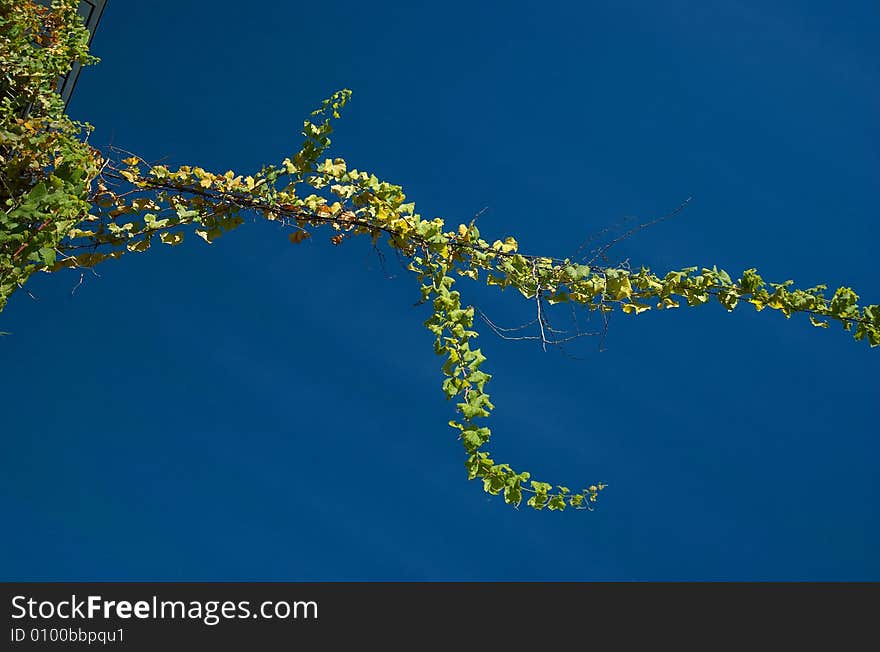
67,205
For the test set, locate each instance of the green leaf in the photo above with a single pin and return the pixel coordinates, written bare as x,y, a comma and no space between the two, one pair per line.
47,255
474,437
186,215
556,503
171,238
493,485
513,494
538,501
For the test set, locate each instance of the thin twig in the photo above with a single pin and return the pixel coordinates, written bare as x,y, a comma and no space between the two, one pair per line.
635,229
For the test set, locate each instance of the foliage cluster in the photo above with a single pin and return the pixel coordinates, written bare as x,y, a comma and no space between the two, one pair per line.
66,205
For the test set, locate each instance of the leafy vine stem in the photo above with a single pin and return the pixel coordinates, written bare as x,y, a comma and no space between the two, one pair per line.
68,205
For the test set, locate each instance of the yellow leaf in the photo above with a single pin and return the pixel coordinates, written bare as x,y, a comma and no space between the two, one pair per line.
382,215
335,167
634,307
621,288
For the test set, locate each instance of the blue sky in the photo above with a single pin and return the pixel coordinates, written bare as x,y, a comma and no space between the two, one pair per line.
253,410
